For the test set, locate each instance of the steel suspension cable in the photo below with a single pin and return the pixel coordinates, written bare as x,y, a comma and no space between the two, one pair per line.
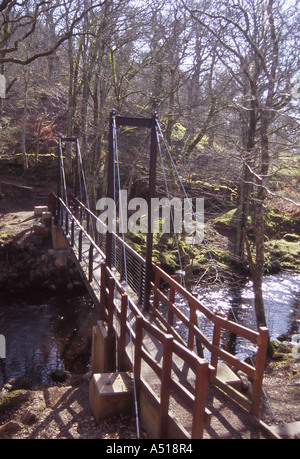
62,173
116,156
172,216
84,181
189,203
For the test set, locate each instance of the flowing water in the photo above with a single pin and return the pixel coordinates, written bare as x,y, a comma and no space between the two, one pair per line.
42,335
282,308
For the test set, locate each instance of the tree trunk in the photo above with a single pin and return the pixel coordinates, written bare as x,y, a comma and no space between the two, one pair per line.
23,141
259,264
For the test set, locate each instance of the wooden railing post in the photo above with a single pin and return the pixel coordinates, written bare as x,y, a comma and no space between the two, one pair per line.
172,294
165,386
110,325
157,284
122,265
111,292
102,291
193,320
260,362
199,405
140,283
215,342
138,354
122,364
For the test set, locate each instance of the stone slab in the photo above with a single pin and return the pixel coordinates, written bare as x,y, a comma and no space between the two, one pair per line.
46,218
38,210
290,430
40,229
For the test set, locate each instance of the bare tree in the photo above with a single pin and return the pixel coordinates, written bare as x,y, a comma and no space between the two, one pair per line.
250,36
20,22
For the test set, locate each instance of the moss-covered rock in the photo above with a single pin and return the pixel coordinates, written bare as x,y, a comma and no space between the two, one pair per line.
291,237
282,253
60,375
282,351
278,225
15,384
9,400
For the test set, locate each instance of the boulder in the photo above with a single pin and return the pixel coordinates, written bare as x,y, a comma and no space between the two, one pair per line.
61,261
10,400
291,237
60,375
11,427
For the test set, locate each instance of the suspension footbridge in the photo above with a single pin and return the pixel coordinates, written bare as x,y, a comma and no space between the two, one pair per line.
136,334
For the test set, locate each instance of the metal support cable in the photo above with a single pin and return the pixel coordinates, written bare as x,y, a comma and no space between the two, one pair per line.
188,200
172,216
81,171
62,174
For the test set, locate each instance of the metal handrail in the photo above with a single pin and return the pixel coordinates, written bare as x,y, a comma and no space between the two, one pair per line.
135,263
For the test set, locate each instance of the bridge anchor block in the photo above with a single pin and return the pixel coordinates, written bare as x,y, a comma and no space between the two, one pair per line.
110,395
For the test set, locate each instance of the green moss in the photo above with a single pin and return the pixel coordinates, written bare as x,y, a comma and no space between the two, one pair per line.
227,218
9,400
277,224
285,254
282,352
178,132
4,232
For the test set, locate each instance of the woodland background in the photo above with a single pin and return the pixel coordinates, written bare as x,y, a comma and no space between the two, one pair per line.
223,77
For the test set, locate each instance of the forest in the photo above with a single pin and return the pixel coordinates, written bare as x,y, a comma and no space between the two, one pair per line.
224,80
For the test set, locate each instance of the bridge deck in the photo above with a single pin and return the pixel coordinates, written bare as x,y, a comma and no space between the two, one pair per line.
90,258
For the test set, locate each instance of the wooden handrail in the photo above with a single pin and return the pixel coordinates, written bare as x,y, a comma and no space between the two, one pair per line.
260,339
233,327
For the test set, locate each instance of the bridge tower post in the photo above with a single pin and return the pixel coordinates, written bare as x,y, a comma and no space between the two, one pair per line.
150,123
110,186
152,186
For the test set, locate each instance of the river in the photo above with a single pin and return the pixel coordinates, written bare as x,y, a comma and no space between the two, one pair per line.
42,334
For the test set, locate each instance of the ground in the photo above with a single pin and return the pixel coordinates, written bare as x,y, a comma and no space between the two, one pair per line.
63,412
